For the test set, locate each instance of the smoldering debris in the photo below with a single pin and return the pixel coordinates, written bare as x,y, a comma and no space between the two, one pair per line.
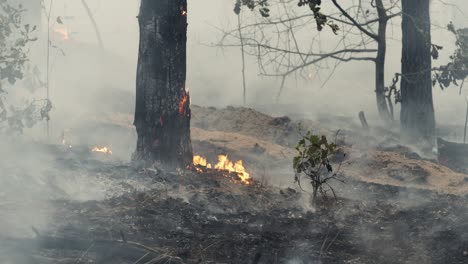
93,208
193,217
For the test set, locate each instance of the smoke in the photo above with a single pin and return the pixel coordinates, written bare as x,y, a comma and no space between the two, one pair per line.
92,91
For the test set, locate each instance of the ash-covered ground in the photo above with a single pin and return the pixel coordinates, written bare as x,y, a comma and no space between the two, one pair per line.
70,205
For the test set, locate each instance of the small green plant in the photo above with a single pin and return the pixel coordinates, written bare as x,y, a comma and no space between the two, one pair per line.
313,161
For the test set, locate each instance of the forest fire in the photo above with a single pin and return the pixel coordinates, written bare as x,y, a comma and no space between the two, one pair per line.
224,164
104,150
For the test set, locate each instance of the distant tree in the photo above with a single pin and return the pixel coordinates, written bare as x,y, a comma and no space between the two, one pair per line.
162,113
274,41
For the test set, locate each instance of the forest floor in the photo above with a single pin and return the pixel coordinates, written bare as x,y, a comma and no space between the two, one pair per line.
396,205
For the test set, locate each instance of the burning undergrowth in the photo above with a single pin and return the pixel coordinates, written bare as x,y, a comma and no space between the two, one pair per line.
234,170
104,150
99,210
187,216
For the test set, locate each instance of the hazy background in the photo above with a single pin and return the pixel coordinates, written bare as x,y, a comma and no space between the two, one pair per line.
88,82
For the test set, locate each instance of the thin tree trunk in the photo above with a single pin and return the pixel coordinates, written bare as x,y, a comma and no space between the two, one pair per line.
417,109
466,124
162,113
380,63
244,86
93,21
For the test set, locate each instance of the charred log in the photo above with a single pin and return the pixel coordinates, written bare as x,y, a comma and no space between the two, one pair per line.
453,155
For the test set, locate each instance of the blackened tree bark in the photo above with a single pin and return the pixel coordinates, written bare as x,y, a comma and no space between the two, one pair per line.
162,113
417,109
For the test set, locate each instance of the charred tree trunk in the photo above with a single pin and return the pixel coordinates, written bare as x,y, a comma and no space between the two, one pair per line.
417,109
382,106
162,113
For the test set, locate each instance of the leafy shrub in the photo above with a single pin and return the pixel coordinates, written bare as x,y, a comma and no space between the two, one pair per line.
15,36
456,71
313,161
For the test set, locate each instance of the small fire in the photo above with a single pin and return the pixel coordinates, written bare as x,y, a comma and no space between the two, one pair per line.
224,164
183,103
105,150
199,160
63,33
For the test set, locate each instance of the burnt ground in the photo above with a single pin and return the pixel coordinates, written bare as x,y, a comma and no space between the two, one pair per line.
67,205
191,217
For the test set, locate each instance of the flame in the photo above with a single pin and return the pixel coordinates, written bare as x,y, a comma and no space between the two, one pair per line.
183,103
105,150
63,33
199,160
224,164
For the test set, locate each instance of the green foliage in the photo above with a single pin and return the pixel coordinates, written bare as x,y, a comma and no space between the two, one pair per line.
314,5
320,18
19,118
313,161
14,40
456,70
262,6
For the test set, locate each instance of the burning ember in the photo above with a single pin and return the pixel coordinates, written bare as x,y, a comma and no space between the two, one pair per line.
63,33
184,101
224,164
105,150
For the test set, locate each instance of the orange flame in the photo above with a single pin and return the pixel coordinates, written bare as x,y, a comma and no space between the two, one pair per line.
199,160
183,103
63,33
224,164
105,150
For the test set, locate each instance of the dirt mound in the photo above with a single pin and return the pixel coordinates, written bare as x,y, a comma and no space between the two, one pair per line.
249,122
393,168
265,143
